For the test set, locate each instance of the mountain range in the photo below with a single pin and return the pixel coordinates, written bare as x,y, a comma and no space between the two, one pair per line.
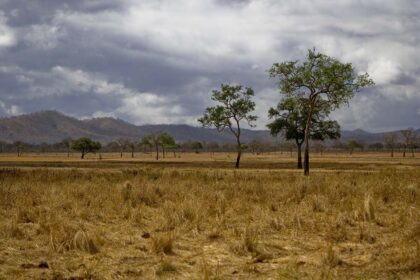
53,126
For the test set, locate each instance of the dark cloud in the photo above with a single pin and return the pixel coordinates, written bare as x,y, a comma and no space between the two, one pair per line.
23,13
157,61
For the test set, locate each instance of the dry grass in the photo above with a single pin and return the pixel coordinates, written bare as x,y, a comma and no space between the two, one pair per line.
193,223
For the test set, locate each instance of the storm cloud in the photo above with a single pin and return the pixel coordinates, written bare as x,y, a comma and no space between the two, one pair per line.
151,62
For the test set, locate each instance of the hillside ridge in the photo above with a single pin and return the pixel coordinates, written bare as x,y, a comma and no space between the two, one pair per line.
53,126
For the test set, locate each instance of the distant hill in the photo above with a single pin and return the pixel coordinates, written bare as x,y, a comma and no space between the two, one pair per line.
53,126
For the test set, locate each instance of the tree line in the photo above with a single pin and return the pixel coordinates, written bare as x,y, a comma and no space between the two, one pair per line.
392,142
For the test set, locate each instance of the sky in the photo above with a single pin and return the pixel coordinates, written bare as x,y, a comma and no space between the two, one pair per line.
154,62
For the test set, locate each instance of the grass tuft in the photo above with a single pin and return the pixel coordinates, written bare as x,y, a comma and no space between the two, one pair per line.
163,243
83,242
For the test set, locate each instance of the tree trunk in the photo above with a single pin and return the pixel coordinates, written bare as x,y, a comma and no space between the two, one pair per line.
132,153
238,142
299,155
83,155
121,154
157,152
238,158
306,140
392,152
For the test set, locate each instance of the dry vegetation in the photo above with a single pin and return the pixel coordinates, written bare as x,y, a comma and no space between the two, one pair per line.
168,222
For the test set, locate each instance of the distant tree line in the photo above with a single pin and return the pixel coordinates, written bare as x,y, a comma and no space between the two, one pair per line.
393,142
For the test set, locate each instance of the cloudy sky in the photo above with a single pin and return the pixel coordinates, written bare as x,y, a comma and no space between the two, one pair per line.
157,61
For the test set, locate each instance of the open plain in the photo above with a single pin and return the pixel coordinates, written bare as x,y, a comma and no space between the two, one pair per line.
193,216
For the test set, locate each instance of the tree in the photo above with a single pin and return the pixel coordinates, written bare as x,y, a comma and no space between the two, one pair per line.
256,146
85,145
409,140
122,143
416,144
354,144
322,80
236,106
146,141
112,147
131,144
290,117
19,147
163,140
212,147
66,142
376,146
391,140
196,146
166,142
287,145
174,148
151,140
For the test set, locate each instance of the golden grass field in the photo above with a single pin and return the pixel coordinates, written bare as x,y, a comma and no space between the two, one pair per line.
196,217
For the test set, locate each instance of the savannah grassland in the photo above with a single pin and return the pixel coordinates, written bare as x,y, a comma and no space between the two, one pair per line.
196,217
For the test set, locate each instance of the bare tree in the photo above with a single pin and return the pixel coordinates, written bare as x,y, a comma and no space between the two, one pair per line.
67,144
391,140
19,147
409,139
122,145
131,144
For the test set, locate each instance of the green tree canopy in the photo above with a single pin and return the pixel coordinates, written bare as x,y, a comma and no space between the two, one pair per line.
85,145
166,142
320,79
290,118
235,106
162,139
196,146
354,144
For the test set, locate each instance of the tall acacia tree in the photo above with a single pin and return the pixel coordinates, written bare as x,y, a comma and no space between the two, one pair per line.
235,106
320,79
290,117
